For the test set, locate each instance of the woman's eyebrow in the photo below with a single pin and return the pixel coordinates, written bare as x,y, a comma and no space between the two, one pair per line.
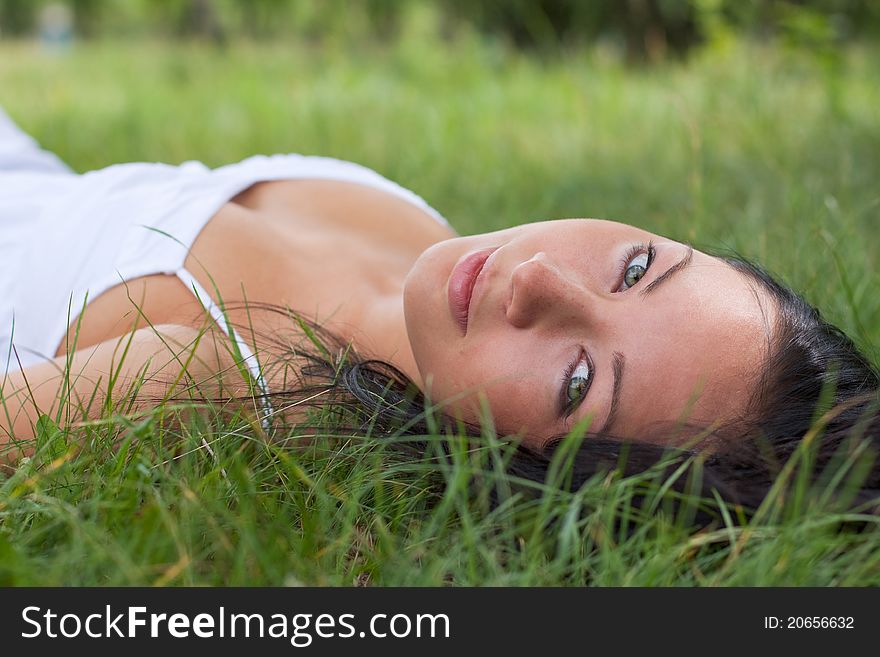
669,273
617,364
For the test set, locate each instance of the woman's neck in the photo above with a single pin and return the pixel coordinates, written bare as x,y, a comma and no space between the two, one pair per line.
338,253
380,333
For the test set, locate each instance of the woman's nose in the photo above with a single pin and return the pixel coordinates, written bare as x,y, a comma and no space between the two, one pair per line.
541,292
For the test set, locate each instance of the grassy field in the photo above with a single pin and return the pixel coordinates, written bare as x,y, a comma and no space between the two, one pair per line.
766,151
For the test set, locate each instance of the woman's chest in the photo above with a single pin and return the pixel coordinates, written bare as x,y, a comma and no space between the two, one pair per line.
327,249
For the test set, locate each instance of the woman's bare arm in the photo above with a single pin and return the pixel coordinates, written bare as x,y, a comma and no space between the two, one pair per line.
168,359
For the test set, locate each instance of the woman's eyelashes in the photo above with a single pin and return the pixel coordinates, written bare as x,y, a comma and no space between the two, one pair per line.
635,265
576,383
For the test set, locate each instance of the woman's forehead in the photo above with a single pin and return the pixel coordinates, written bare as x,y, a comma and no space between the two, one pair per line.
702,346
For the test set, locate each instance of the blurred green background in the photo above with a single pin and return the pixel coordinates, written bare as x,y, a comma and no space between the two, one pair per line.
751,125
644,29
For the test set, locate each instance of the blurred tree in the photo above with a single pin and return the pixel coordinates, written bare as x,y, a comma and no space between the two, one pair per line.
262,18
199,18
384,16
645,29
648,28
17,17
87,16
655,26
651,28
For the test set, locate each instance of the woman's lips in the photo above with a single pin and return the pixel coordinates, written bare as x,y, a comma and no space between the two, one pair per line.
460,287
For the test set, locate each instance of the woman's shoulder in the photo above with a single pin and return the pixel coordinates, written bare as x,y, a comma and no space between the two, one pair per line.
193,177
297,166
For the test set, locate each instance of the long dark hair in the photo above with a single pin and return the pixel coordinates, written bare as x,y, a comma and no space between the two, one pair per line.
816,404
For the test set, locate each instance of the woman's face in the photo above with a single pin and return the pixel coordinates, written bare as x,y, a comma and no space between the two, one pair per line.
581,319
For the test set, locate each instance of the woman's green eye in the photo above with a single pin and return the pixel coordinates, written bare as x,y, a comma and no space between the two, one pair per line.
637,268
578,384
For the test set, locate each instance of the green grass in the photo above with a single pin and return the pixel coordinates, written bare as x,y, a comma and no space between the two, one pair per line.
767,151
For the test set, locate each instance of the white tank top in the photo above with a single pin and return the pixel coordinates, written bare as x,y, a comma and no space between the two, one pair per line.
66,238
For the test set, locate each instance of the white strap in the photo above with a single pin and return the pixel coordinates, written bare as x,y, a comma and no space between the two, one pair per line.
248,356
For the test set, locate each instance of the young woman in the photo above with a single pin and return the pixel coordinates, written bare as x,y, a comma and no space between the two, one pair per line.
646,341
